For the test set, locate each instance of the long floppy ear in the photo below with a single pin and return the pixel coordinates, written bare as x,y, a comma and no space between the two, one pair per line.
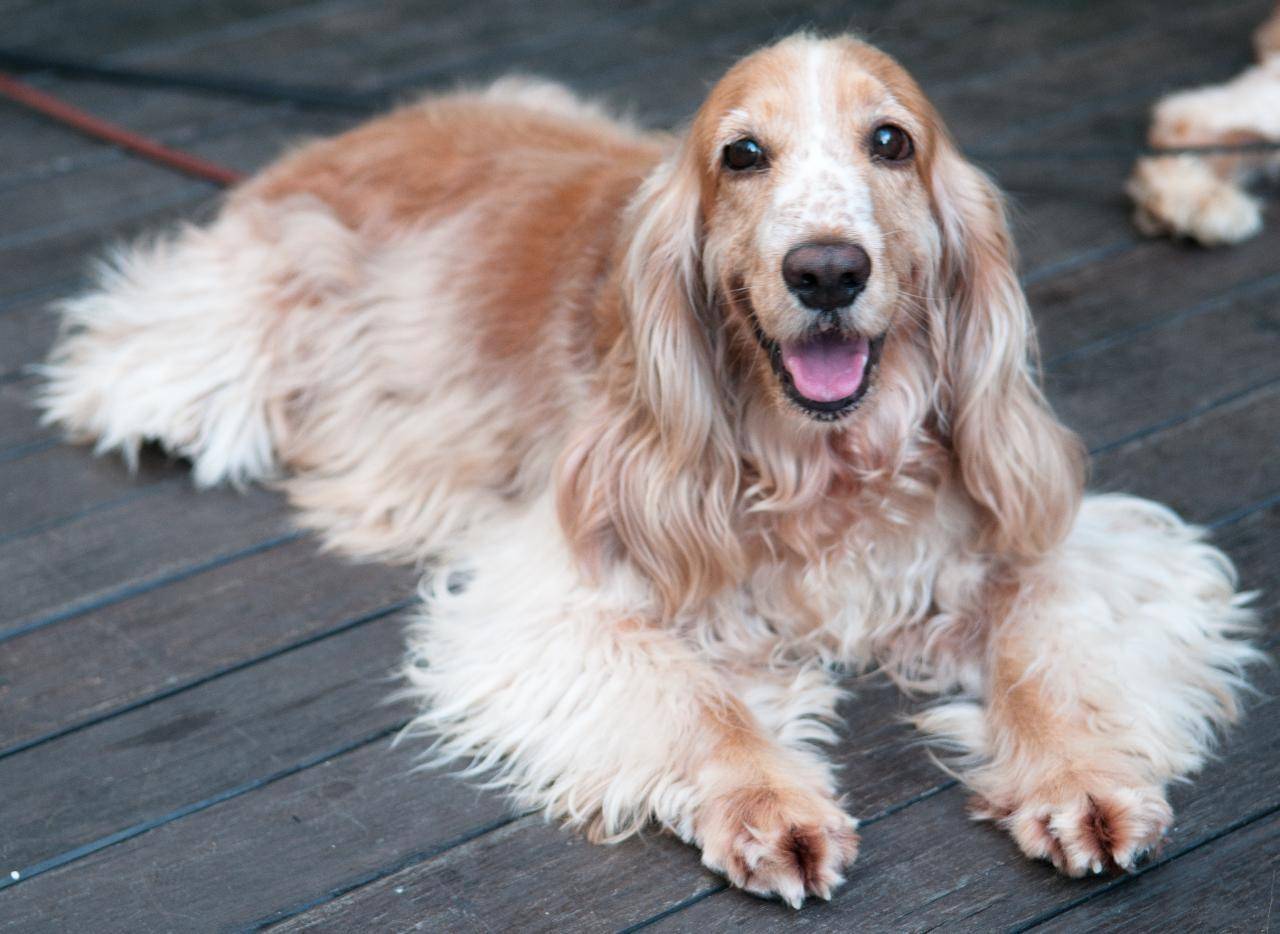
654,472
1022,467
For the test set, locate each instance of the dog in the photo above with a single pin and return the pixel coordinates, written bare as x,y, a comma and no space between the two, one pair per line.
1204,197
688,425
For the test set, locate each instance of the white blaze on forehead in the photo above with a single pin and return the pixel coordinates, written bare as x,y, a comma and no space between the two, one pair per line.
822,187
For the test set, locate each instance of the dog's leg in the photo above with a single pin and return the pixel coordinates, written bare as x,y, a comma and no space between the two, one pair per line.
178,340
1203,196
592,711
167,347
1108,667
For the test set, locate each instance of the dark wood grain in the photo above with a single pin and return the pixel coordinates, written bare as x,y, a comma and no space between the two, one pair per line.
83,27
1156,282
1137,382
1207,466
218,735
159,642
1239,872
105,555
343,819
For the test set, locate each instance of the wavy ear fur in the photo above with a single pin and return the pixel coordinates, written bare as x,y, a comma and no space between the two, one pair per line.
1021,466
655,472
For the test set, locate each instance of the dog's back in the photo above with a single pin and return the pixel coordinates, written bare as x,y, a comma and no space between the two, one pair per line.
413,300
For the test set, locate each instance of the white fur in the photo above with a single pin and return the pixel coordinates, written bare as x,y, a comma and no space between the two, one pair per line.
278,337
171,347
1135,620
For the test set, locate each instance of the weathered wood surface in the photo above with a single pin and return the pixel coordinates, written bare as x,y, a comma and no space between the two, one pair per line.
192,726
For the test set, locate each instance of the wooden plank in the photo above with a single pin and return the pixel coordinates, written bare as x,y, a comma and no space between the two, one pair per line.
94,665
106,555
158,758
37,151
550,881
18,429
1122,389
657,72
45,484
82,200
362,834
102,30
352,814
1153,284
1207,466
1231,883
27,330
1251,541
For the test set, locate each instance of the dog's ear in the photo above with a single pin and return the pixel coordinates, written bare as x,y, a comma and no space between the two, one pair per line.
654,473
1021,466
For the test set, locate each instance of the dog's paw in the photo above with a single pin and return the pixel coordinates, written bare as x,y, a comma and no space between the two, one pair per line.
1082,829
789,843
1181,195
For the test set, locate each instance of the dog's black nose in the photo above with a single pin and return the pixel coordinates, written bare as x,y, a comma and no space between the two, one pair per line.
826,276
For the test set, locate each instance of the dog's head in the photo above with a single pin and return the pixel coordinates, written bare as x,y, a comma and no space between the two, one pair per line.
814,162
816,247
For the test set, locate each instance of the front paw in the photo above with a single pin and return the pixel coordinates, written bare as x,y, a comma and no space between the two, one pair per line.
788,842
1083,826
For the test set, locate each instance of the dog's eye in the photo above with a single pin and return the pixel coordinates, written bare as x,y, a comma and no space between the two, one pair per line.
891,143
743,154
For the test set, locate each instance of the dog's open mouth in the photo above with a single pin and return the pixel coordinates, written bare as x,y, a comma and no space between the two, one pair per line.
827,369
827,372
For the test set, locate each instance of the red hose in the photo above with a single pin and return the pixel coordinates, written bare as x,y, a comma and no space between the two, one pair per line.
74,117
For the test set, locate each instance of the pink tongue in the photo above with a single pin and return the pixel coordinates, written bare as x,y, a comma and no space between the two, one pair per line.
827,368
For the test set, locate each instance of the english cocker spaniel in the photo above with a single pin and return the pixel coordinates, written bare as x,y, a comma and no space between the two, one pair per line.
687,424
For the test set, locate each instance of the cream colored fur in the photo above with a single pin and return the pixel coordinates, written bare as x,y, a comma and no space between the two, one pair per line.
651,568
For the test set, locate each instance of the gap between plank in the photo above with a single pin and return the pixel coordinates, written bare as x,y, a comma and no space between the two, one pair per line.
97,602
1214,303
346,626
138,829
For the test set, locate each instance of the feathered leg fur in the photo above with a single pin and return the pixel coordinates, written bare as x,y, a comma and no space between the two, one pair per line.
591,711
1109,666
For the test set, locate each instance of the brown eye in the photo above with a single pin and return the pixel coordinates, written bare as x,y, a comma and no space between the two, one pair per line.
891,143
743,154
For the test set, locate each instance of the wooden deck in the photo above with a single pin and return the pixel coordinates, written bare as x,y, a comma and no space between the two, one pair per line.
192,727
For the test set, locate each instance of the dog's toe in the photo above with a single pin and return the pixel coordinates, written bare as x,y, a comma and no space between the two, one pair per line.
785,843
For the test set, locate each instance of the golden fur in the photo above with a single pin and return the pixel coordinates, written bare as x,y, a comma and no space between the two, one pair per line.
505,332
